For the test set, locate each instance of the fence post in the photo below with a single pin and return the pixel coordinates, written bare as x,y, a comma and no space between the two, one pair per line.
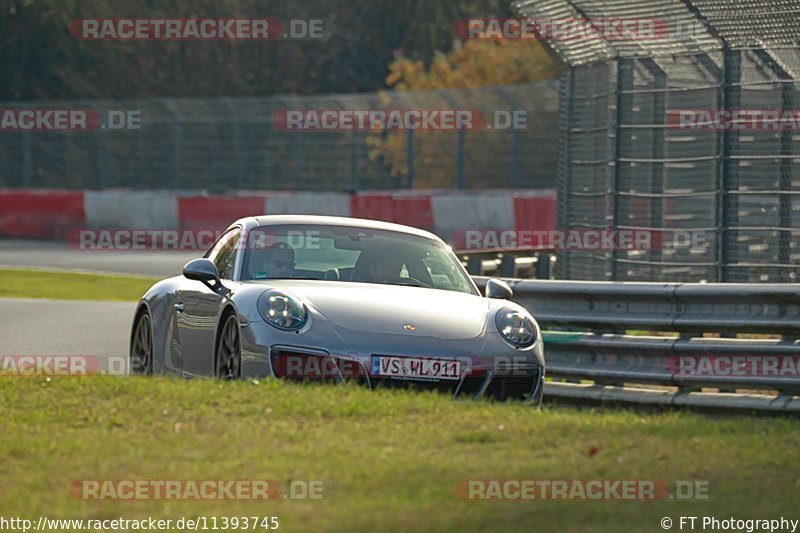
719,73
624,84
298,180
731,98
354,177
177,139
177,134
410,158
786,179
787,149
27,160
657,173
515,168
238,155
516,157
103,160
460,159
564,169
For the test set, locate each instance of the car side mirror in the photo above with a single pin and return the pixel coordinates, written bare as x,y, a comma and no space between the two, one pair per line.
204,271
497,288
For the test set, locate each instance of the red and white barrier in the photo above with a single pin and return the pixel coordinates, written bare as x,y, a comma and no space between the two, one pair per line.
44,214
53,214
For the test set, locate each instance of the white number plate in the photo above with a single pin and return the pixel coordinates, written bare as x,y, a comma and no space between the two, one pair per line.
415,367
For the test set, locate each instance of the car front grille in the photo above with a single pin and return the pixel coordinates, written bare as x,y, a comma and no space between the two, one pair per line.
310,365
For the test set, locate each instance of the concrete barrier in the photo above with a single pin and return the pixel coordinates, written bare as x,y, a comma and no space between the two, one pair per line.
120,209
313,203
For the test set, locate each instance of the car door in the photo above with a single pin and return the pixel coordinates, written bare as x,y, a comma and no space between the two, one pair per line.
197,310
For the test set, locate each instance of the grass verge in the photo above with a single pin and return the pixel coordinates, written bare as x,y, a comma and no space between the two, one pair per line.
71,285
389,460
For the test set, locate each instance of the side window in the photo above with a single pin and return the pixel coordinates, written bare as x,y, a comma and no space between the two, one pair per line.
224,253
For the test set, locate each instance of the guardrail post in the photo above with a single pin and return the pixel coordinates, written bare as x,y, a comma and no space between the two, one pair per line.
475,266
543,265
508,266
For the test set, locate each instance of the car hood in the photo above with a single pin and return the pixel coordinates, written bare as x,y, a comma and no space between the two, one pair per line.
392,309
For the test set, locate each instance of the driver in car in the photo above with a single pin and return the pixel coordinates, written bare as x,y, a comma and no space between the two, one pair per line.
383,270
278,262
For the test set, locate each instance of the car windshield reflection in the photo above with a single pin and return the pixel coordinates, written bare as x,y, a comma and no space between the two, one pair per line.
351,254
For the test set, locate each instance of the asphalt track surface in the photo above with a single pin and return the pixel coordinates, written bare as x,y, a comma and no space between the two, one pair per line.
59,255
48,327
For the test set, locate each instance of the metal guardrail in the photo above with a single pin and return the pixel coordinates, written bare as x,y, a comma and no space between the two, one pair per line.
588,338
519,263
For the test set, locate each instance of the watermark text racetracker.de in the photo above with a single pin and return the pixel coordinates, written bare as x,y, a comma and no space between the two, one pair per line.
199,29
734,365
196,489
200,523
62,365
337,120
562,29
126,240
600,239
581,489
68,119
734,119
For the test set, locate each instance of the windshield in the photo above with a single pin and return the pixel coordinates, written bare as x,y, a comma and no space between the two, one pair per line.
351,254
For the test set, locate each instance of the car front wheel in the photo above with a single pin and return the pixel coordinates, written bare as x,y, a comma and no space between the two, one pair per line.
141,353
229,350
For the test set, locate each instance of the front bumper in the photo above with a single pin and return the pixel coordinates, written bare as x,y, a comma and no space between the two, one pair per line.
501,381
344,357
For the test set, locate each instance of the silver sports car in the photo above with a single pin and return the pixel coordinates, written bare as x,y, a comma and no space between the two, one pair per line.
340,300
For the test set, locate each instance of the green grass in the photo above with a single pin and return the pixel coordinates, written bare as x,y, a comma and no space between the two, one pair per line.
71,286
389,460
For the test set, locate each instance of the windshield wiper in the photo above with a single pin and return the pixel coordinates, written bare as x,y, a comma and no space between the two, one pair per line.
269,279
409,283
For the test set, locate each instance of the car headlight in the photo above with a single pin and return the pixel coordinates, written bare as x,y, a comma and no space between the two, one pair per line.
516,327
282,310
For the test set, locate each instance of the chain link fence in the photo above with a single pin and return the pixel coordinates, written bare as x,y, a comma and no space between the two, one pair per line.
628,161
233,143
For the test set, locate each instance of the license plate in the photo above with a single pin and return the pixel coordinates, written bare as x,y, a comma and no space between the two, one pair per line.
415,367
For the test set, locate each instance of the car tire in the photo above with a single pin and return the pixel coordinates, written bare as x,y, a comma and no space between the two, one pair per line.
141,350
228,355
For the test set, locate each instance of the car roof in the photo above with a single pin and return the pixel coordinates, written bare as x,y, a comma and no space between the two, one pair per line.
276,220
